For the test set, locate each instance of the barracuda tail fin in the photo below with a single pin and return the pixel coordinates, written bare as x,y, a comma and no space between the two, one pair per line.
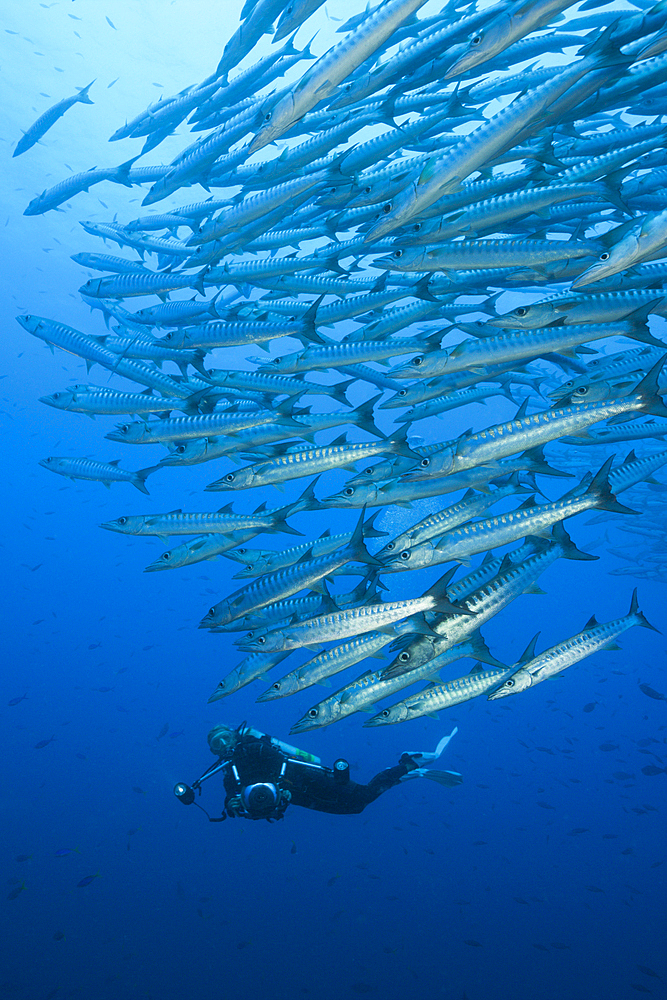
362,416
337,391
570,550
439,592
83,94
142,474
357,546
370,531
647,390
639,322
600,489
634,610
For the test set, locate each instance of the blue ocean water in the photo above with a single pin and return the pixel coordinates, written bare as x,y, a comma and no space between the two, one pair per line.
540,878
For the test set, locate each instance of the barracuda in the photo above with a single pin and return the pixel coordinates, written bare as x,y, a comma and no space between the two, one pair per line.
74,342
648,237
488,600
218,522
236,333
320,81
327,664
101,472
444,174
198,549
254,666
121,286
436,697
306,574
202,425
605,307
350,622
92,400
519,345
552,661
432,407
460,543
472,505
528,432
340,354
313,462
471,254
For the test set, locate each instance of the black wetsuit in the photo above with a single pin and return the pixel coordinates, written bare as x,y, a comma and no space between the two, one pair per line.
311,785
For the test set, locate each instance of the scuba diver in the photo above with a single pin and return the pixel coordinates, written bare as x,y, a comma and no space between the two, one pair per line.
262,776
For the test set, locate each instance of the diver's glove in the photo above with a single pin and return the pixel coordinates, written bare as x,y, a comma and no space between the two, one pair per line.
421,758
447,778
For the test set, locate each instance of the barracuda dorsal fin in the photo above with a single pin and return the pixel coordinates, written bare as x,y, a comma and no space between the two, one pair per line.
477,668
630,457
529,652
591,623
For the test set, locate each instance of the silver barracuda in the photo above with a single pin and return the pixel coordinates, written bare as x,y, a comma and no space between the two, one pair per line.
443,174
511,580
433,407
202,425
306,574
472,505
198,549
338,355
101,472
93,399
533,431
518,345
485,253
49,118
221,522
312,462
603,307
320,81
437,697
460,543
254,666
349,622
646,238
552,661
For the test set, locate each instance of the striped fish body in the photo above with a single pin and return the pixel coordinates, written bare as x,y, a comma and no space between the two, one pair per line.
439,696
198,549
183,428
248,670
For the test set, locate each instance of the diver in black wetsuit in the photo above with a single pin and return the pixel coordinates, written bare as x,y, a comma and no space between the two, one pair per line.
262,776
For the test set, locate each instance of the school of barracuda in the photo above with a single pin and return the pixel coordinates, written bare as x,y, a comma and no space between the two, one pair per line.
427,163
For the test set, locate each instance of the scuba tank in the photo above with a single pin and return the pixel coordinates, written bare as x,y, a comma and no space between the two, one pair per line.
245,730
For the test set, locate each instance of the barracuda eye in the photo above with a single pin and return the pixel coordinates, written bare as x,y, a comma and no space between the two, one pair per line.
404,657
418,360
568,385
581,390
369,472
387,208
349,492
276,686
261,639
476,39
180,450
56,395
402,392
425,462
211,611
397,254
124,428
313,713
405,555
241,552
230,477
368,189
268,116
166,556
604,256
510,683
391,546
521,311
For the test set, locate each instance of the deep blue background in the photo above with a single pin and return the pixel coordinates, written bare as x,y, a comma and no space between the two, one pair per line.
483,890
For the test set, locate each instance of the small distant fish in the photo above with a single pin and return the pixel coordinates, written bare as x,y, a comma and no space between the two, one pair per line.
579,829
16,701
111,24
594,888
87,880
139,791
58,936
15,893
473,943
639,988
651,693
608,747
23,857
62,852
44,743
648,972
651,770
332,881
163,731
590,706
